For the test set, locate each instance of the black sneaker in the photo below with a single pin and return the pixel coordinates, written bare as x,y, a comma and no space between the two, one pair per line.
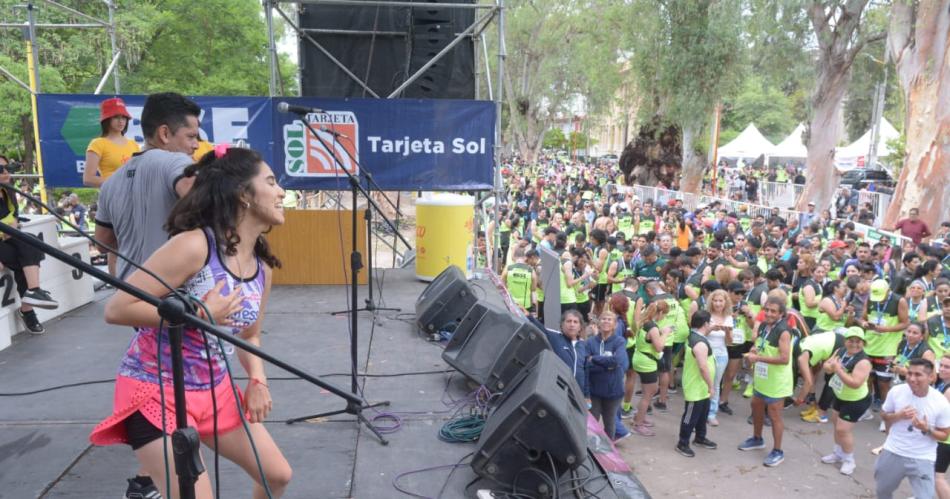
39,298
725,409
32,324
767,422
685,450
705,443
660,406
142,487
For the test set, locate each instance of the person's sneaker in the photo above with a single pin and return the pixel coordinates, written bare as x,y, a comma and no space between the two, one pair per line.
141,487
736,383
712,422
672,390
882,427
725,409
705,443
33,325
876,404
774,458
627,413
685,450
621,437
832,458
815,417
867,416
643,431
660,406
811,409
39,298
752,443
788,403
847,467
748,391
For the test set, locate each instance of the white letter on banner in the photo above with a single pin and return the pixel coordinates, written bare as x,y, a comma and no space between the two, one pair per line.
229,124
373,140
458,145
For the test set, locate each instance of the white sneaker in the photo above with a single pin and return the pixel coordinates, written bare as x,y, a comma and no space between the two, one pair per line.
832,458
867,416
847,467
882,428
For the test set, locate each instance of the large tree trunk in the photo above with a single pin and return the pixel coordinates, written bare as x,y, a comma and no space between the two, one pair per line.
654,156
691,178
824,130
923,63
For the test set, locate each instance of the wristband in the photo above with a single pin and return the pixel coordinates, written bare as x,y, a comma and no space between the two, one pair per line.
257,381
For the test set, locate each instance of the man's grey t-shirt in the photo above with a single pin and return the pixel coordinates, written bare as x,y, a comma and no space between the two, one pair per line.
136,200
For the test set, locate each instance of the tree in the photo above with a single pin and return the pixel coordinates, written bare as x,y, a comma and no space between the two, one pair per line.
686,55
558,59
554,139
920,50
839,27
762,103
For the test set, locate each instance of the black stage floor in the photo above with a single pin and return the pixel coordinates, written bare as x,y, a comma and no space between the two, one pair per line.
44,446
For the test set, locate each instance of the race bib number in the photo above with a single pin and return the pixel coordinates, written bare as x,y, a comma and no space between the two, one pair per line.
761,370
738,336
836,384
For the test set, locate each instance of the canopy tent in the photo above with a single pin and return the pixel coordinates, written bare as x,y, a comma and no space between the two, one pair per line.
791,146
749,144
854,155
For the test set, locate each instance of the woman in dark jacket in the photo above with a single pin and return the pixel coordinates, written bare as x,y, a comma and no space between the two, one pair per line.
570,346
606,366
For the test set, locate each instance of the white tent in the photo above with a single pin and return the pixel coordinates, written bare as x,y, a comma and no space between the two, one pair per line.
749,144
792,146
854,155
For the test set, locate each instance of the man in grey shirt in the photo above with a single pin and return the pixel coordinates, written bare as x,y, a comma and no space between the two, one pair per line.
135,201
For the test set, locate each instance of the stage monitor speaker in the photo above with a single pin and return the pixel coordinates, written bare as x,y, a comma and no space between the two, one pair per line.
445,300
382,46
540,422
491,345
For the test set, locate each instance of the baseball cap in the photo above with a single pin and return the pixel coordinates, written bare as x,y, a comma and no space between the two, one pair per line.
879,289
113,107
838,244
854,332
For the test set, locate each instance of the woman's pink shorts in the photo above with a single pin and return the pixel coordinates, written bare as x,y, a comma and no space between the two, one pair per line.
133,395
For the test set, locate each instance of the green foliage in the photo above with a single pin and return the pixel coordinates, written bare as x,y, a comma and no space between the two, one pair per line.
761,103
211,47
686,54
898,152
554,139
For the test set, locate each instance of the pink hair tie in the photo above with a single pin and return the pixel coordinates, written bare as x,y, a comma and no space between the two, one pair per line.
220,150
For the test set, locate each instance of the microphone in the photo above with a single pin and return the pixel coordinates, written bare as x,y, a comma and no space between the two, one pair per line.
291,108
335,133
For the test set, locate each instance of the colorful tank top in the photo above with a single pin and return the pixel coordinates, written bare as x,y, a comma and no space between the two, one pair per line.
140,361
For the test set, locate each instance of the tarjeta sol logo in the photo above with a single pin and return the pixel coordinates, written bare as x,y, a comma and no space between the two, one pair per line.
306,156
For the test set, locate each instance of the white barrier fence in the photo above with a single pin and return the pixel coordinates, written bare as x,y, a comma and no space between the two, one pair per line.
786,195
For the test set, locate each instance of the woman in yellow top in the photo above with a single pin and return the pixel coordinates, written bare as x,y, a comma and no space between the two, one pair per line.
112,149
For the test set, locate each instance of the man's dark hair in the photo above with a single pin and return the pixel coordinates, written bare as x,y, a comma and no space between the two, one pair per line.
910,256
920,361
774,274
700,319
169,109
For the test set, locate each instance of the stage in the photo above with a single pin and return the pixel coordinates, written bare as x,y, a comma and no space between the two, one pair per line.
44,447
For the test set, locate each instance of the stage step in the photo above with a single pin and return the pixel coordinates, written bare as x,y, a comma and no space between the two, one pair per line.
70,287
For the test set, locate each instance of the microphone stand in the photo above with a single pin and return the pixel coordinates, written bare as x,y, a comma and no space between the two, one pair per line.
356,263
370,303
175,310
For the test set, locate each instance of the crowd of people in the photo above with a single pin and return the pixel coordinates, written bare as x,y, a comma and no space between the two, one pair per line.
717,304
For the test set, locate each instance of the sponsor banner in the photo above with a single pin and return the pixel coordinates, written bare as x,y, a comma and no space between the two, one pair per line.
404,144
69,122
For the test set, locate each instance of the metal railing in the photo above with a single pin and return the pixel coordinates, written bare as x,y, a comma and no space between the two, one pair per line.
786,195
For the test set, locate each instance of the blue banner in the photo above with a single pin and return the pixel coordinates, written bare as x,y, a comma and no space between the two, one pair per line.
405,144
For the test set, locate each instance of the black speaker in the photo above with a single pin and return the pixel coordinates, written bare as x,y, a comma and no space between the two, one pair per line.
491,345
383,45
446,299
540,423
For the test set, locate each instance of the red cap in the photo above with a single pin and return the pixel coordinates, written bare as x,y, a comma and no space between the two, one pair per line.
113,107
838,244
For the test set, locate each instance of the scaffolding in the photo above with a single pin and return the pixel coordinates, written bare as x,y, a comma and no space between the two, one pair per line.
489,11
34,87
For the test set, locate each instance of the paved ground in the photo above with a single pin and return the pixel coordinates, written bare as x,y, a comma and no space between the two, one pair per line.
728,472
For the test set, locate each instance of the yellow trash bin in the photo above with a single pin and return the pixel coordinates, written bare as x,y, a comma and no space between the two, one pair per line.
444,225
